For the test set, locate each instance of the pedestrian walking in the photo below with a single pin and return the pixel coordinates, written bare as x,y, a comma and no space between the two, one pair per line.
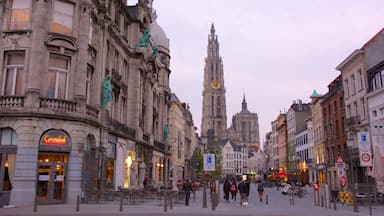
260,190
233,190
187,187
243,190
226,189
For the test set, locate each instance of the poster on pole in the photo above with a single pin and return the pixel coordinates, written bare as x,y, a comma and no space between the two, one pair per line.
209,162
365,154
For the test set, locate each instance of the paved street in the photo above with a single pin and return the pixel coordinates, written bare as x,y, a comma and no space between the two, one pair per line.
278,205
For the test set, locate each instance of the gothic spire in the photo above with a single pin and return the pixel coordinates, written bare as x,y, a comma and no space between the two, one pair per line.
244,103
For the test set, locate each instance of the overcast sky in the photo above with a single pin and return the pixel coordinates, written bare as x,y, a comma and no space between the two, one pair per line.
274,51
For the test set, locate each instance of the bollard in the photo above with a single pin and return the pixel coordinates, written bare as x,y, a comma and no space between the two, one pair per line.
194,195
205,194
165,203
334,203
322,201
314,197
78,203
171,204
121,202
266,199
35,205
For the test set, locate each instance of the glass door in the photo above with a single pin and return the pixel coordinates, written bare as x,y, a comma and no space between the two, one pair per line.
51,178
44,177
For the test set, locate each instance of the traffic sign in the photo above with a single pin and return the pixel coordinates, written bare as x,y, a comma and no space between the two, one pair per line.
343,181
365,153
209,162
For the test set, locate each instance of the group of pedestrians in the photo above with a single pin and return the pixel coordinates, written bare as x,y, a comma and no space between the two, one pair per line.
243,188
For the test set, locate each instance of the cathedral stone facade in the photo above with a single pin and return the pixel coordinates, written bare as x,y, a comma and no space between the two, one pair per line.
245,126
214,118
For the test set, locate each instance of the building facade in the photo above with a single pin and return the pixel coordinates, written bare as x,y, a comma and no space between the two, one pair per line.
214,116
245,127
282,140
335,141
375,101
318,137
234,159
296,116
95,122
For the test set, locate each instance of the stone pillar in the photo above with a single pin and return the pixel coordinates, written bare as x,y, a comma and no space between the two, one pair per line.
38,54
24,180
80,72
133,99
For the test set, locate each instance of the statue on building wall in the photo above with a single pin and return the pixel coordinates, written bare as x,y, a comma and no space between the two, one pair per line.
107,91
155,51
144,39
165,134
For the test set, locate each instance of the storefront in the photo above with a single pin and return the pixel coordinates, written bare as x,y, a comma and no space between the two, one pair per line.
52,163
8,148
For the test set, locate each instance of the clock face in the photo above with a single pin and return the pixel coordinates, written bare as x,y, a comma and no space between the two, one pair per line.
215,84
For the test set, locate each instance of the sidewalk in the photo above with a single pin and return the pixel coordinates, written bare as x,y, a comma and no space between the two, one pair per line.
278,205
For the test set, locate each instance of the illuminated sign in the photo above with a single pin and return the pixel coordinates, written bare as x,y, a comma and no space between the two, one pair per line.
54,137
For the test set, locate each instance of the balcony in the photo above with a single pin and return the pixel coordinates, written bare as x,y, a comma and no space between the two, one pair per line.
11,102
352,122
57,105
159,145
122,128
92,111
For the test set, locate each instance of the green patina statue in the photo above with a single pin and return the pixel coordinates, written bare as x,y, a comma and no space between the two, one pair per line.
107,91
155,51
144,39
165,133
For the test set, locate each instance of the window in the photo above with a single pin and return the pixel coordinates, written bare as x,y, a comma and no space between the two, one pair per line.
355,108
57,78
361,79
91,32
14,76
8,136
20,14
363,107
62,17
346,88
88,82
353,84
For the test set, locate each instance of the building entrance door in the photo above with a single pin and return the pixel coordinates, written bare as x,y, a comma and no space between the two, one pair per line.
51,178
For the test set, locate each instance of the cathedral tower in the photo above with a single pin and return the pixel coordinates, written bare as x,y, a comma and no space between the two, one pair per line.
214,107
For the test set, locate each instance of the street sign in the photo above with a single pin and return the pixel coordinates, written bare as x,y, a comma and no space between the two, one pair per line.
209,162
365,154
343,181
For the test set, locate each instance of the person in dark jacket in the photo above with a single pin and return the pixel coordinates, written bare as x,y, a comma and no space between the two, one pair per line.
187,187
243,190
260,190
226,189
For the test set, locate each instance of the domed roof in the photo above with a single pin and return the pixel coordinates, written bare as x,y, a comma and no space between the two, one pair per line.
158,35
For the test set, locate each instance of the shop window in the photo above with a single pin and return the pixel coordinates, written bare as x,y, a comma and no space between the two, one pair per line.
62,17
57,76
110,173
20,14
8,137
14,76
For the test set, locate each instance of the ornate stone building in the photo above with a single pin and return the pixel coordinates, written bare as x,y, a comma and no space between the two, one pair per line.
245,127
182,140
84,90
214,106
